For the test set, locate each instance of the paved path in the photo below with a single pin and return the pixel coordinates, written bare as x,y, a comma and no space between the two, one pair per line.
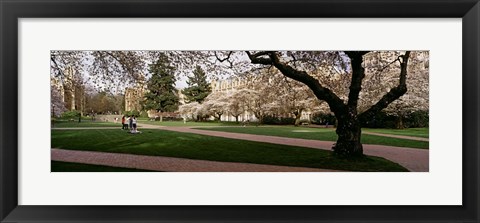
416,160
396,136
378,134
170,164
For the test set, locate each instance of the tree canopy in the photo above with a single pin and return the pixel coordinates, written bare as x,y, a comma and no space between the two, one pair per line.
161,94
198,87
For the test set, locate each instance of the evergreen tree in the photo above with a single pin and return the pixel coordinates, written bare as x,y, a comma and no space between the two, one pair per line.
161,94
198,87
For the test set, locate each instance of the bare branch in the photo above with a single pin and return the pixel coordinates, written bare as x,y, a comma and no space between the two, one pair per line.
256,59
393,94
225,59
385,67
56,66
322,93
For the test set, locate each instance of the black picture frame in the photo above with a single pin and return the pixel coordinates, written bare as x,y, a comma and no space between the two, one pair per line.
11,11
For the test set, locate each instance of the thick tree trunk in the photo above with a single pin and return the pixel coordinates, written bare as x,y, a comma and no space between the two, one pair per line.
236,119
399,123
72,104
298,115
297,119
259,116
83,105
349,133
260,120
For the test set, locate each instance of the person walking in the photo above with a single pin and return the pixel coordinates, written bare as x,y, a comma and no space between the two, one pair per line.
134,124
123,122
130,122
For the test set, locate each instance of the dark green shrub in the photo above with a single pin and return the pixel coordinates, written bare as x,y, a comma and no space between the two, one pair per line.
304,122
418,119
70,114
380,120
134,112
323,119
170,118
143,114
273,120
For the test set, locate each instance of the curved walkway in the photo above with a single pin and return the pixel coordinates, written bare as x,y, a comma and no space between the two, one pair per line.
169,164
396,136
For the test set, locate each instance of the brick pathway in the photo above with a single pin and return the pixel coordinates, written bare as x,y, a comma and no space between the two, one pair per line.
159,163
396,136
378,134
363,132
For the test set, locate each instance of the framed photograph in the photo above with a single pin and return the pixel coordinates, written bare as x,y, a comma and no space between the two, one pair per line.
223,111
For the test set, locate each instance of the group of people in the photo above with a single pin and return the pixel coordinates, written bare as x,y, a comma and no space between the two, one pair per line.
130,123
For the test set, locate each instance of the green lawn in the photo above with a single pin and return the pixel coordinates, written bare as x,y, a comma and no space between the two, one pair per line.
85,123
180,123
193,146
58,166
417,132
326,134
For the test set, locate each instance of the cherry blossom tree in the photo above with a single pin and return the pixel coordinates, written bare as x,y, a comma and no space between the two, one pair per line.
216,104
237,105
258,102
194,111
417,97
382,75
57,105
188,111
296,99
297,66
